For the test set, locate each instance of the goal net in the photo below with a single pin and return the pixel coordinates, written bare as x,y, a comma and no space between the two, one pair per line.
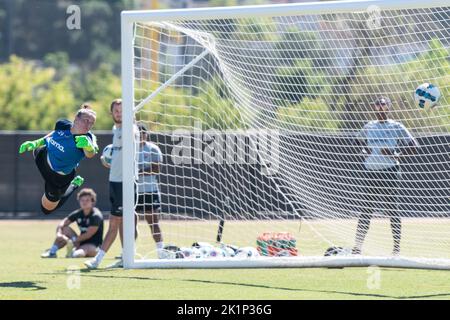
262,114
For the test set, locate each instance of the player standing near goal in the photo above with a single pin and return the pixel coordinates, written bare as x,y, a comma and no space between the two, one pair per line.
383,141
90,222
149,161
59,153
115,187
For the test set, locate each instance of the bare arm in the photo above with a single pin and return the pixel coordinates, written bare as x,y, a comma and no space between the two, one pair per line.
64,223
87,235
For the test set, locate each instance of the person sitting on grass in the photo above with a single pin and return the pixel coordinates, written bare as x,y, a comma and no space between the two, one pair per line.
90,222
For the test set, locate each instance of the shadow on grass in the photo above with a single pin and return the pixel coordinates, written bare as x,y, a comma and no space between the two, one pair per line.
97,274
22,285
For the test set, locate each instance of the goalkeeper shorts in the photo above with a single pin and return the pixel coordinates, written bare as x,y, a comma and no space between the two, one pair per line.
55,184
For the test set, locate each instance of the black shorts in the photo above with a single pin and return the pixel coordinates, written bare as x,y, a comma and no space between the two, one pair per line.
89,241
382,189
116,199
147,202
55,184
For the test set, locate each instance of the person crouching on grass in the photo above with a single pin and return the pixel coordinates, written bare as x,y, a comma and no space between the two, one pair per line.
90,222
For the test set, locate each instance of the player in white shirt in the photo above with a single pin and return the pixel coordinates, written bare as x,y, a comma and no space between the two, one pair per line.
149,203
115,186
384,142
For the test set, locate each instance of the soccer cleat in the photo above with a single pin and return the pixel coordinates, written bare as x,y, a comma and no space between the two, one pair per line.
91,264
117,264
69,248
78,181
48,254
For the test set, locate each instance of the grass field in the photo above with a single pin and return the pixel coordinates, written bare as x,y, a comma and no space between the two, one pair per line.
24,275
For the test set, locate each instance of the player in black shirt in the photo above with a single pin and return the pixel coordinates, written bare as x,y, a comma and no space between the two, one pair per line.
90,222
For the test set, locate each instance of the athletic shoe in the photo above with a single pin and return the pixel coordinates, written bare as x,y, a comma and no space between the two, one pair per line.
48,254
118,257
91,264
69,248
78,181
117,264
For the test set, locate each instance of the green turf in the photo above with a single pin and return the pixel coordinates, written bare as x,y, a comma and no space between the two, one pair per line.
24,275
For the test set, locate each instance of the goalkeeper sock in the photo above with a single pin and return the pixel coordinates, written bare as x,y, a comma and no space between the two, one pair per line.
53,249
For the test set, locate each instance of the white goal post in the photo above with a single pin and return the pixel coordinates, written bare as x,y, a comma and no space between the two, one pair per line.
288,89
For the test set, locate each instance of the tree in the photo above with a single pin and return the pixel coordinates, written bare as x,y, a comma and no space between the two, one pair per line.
30,97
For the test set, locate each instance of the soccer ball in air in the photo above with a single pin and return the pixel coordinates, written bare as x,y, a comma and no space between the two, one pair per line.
107,154
427,96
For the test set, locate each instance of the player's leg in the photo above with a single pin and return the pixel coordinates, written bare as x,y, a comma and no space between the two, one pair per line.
152,208
85,250
75,183
367,208
113,229
391,189
396,227
148,205
361,231
58,188
115,223
121,231
51,196
60,241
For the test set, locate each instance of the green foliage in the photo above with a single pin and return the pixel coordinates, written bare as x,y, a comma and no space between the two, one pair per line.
432,66
309,115
295,44
30,97
99,88
256,30
293,83
180,109
216,110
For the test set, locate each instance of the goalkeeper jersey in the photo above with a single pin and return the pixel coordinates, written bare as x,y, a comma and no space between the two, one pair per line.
63,154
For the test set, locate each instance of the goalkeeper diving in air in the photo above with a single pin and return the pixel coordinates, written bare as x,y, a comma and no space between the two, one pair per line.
58,154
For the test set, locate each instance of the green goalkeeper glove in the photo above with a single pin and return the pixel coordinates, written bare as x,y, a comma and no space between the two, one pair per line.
31,145
85,143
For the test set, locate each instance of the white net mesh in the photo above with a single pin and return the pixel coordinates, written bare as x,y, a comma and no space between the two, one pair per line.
260,132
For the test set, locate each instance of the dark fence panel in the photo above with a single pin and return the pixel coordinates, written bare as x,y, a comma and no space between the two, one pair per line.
202,190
